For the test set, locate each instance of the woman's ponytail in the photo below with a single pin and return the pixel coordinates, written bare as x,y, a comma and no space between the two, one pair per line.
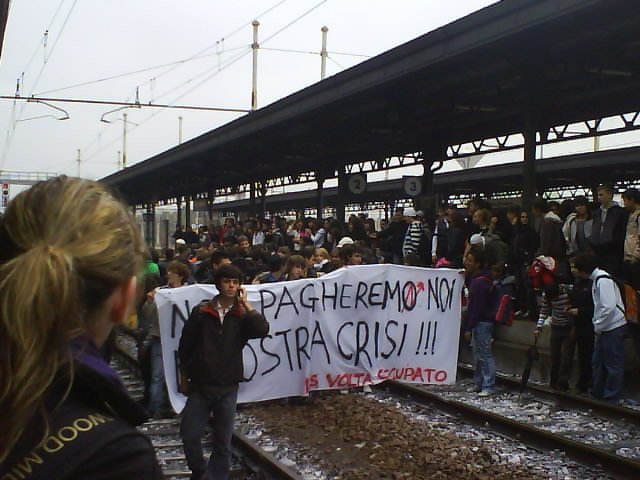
65,245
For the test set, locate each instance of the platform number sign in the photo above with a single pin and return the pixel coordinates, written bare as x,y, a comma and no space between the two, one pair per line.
5,195
357,183
412,186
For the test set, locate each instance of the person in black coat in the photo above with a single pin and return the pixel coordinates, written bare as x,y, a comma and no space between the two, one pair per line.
581,311
392,237
608,231
211,368
69,253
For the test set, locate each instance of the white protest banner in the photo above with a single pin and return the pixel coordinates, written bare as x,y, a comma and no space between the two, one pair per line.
353,327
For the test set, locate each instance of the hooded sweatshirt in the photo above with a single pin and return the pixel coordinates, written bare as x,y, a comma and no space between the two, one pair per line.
552,243
571,230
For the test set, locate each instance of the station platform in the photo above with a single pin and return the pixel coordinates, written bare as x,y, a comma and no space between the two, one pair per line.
511,344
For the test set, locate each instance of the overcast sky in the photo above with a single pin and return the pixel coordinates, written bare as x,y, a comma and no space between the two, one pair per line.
90,40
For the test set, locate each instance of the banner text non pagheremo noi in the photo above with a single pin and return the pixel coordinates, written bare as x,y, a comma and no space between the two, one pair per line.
353,327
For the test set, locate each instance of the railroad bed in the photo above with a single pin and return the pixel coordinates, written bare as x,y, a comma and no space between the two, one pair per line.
591,432
381,435
248,460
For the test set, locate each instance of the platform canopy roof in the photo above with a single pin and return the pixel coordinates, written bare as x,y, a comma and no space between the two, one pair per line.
546,62
586,169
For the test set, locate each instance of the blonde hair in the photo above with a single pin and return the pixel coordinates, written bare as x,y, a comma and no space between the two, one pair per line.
65,245
323,253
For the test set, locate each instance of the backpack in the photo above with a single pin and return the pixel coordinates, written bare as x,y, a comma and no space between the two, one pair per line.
500,304
630,298
497,250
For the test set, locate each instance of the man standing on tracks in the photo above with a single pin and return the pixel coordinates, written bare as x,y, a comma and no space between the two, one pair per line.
610,328
211,367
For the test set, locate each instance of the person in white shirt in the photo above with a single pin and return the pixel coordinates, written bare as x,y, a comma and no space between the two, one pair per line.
414,232
610,327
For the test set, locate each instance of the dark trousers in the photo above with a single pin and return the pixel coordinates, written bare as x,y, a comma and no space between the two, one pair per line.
584,342
562,346
608,365
634,331
194,419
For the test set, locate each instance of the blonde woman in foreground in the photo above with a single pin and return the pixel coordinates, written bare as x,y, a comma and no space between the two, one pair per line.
69,253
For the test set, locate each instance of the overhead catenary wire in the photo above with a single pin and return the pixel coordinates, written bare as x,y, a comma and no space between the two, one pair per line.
333,60
15,122
196,56
20,84
295,20
311,52
277,32
199,54
126,104
43,38
160,110
99,135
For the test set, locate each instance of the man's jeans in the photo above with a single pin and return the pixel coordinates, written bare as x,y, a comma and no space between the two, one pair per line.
156,388
608,365
194,419
484,365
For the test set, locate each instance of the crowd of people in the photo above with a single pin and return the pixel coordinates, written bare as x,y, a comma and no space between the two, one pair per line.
72,261
539,259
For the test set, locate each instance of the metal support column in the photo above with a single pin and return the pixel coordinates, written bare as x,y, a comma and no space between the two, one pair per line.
149,225
319,195
211,196
529,166
434,156
342,191
263,198
179,211
252,199
187,212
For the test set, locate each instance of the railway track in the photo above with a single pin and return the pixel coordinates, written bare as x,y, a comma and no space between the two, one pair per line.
589,432
249,460
543,422
565,399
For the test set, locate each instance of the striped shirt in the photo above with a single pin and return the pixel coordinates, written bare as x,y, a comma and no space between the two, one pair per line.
412,238
559,315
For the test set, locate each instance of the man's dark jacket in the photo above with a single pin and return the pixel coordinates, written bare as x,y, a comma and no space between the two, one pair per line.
210,352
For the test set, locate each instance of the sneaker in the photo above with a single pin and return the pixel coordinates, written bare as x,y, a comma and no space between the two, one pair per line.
344,391
474,389
486,393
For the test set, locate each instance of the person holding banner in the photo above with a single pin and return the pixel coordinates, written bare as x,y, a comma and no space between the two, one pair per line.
69,255
479,328
211,368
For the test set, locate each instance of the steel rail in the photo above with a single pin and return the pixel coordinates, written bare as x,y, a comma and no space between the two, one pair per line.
254,456
568,400
619,467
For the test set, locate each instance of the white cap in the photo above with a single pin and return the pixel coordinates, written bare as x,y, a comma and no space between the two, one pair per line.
345,241
409,212
180,241
477,239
